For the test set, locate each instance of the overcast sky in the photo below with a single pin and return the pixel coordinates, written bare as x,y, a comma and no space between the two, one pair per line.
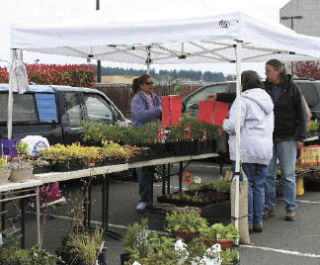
44,11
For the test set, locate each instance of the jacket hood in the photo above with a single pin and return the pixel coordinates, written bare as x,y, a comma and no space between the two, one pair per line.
260,97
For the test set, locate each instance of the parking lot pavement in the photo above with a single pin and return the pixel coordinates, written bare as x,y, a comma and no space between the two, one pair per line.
282,242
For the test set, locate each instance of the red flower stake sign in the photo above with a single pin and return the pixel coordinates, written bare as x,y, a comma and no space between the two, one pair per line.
187,132
187,178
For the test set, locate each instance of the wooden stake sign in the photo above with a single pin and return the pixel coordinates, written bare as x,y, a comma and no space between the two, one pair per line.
310,155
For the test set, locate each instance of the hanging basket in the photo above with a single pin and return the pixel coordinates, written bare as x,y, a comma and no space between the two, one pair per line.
4,176
21,175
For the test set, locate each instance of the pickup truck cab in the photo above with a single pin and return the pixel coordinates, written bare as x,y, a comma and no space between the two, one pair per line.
56,112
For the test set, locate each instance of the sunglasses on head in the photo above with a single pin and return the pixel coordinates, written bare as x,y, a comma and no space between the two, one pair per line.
149,83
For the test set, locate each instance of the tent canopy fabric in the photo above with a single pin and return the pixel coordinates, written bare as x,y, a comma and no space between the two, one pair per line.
206,38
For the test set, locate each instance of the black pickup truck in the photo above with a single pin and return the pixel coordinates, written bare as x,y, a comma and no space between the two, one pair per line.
56,112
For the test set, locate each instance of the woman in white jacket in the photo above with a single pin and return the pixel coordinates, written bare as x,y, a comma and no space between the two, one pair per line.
256,125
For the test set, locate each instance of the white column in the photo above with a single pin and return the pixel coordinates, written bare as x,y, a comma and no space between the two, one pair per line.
238,151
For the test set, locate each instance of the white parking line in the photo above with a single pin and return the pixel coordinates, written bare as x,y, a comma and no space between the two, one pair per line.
63,217
283,251
305,201
155,185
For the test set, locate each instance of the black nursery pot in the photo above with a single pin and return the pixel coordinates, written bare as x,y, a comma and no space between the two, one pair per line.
42,169
124,257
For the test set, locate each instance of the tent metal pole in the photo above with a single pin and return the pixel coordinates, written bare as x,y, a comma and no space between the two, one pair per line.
10,98
148,60
238,151
148,68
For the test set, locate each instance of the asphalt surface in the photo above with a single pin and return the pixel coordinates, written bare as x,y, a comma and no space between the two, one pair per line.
282,242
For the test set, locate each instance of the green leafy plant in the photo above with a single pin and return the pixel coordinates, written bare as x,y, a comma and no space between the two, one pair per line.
138,239
190,222
33,256
222,186
161,252
229,256
313,126
22,148
219,231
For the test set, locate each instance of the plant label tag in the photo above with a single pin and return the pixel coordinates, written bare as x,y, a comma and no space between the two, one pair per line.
204,134
197,180
161,131
187,132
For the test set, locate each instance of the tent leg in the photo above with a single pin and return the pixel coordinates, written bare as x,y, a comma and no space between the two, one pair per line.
238,151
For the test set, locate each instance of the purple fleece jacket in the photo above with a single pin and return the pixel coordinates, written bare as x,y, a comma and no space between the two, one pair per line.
140,112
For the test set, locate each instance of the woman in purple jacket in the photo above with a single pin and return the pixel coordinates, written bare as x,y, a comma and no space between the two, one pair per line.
145,107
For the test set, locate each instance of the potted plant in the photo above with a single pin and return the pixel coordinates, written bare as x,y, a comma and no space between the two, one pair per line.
183,225
4,171
230,257
34,256
81,246
137,242
218,233
21,170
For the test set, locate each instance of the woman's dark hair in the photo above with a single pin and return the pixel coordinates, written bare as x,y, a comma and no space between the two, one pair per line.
250,79
278,66
137,82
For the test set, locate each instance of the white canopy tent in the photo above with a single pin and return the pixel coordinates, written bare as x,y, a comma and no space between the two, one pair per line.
183,32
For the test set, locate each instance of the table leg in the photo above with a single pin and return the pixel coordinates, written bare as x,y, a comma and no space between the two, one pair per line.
38,216
151,188
23,232
3,214
163,180
168,179
180,175
89,203
105,209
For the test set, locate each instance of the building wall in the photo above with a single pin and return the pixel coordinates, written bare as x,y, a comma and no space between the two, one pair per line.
310,12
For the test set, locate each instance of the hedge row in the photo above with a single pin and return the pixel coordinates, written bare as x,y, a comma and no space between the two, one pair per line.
68,75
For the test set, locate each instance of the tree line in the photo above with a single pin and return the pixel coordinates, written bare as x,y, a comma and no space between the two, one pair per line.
166,75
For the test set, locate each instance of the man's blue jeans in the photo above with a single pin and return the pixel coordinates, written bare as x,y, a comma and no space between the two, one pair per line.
145,180
286,152
256,174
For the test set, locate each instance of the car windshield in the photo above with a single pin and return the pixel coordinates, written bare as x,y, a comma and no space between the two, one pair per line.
192,103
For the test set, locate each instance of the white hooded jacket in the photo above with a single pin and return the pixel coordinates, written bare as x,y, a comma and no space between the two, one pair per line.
257,123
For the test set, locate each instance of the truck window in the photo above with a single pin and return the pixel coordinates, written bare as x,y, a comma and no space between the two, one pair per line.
73,109
310,93
98,109
24,108
47,108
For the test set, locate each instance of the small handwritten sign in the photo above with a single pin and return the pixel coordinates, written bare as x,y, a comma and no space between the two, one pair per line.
310,155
